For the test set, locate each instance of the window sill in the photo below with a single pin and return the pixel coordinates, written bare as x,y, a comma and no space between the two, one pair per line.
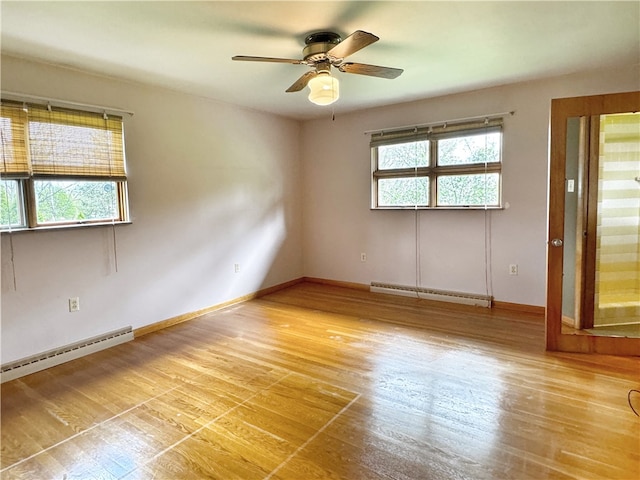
460,208
66,226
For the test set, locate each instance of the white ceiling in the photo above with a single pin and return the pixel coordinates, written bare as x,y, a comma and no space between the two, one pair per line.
443,47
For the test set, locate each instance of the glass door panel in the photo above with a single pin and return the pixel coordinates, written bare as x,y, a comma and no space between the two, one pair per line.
617,255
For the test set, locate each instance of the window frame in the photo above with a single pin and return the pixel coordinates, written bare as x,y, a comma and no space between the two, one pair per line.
26,180
433,171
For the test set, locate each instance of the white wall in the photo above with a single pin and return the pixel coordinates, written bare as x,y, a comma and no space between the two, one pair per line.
210,185
339,225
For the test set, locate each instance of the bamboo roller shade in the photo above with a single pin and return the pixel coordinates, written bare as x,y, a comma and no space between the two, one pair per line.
61,142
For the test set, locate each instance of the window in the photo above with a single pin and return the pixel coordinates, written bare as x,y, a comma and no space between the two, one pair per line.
60,167
456,166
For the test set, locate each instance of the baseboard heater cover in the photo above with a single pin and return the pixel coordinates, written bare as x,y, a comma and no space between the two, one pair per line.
432,294
41,361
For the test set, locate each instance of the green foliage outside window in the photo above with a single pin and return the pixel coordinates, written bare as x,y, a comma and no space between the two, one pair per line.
468,190
59,201
403,155
10,203
470,149
406,192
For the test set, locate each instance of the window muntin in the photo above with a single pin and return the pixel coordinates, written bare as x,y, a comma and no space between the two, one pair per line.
67,167
446,167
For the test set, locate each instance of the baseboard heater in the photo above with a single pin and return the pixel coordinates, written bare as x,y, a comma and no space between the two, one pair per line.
40,361
432,294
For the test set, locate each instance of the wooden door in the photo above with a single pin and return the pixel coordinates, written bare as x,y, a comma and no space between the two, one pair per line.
562,110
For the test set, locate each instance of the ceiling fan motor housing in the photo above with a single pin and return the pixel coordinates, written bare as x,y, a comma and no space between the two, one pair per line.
318,44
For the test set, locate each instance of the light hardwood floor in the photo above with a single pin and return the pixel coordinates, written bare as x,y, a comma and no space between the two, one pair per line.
322,382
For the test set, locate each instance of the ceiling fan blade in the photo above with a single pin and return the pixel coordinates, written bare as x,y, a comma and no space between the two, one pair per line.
354,42
245,58
302,81
371,70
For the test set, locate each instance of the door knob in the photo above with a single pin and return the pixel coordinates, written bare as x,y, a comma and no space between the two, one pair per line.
556,242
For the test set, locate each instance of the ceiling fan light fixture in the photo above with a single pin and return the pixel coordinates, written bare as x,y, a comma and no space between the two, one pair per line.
324,89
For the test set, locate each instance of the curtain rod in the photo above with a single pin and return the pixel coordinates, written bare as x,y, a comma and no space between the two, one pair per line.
23,97
443,122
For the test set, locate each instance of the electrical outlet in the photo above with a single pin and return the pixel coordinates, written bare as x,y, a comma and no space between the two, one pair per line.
363,257
513,269
236,267
74,304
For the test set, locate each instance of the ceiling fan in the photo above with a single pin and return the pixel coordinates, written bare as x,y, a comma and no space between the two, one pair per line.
322,51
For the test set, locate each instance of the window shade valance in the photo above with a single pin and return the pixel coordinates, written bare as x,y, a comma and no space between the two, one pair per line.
412,134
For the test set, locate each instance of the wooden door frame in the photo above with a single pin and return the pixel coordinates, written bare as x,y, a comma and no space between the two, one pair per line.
590,212
561,110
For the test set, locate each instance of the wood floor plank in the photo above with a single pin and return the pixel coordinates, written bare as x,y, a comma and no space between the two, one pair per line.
47,413
297,399
323,382
208,455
